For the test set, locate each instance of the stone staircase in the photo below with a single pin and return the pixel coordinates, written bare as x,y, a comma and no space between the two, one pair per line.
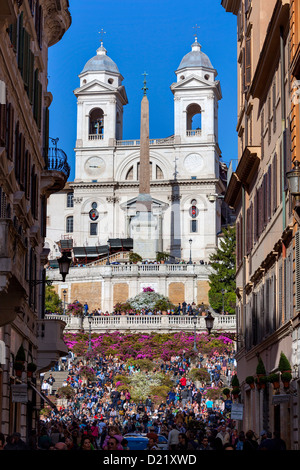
59,376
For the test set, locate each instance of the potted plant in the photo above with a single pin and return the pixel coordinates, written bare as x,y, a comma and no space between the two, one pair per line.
284,364
235,392
31,368
260,369
235,381
162,256
261,382
20,356
286,377
274,380
134,257
250,381
19,368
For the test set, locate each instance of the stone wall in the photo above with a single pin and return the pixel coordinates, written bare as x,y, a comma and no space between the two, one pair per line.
120,292
176,292
202,292
90,292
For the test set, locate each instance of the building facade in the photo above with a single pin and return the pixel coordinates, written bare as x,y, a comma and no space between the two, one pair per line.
187,178
265,224
29,173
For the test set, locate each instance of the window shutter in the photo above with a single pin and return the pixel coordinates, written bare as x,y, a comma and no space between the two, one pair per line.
248,61
3,114
262,129
30,87
274,185
274,304
269,192
274,106
297,269
10,131
20,54
280,296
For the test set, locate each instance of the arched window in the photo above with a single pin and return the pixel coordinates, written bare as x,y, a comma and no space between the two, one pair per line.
96,122
129,175
193,214
193,118
69,224
70,200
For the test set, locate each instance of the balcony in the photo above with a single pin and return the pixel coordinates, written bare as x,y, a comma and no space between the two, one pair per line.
51,345
57,171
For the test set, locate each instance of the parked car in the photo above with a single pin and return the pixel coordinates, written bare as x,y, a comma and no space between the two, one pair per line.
136,441
140,441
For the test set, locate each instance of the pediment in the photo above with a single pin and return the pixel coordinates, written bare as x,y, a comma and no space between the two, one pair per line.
193,81
95,86
131,204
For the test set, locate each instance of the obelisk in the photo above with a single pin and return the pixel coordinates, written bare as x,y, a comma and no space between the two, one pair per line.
144,184
144,224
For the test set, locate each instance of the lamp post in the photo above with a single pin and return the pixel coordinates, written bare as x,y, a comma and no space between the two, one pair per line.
209,321
195,326
293,178
223,292
64,265
90,332
64,293
107,262
190,242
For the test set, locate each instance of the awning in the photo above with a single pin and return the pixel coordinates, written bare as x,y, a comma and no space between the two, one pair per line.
89,251
43,396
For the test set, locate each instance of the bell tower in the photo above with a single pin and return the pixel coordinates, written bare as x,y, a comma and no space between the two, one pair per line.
196,95
100,100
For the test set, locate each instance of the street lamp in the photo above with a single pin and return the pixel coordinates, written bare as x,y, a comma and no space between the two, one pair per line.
223,291
190,242
209,321
107,262
90,332
65,293
293,178
64,265
195,325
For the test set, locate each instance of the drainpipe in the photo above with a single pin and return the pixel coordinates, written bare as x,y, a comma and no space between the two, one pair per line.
283,126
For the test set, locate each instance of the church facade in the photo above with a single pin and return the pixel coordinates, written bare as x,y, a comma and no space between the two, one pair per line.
187,177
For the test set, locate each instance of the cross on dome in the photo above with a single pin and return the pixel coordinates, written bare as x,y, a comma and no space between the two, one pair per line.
145,82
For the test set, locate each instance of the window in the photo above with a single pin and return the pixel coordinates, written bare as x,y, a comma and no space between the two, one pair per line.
96,122
193,116
194,226
93,228
69,224
70,202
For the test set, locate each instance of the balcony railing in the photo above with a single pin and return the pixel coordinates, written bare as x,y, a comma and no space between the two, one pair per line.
193,132
96,136
146,323
57,160
137,142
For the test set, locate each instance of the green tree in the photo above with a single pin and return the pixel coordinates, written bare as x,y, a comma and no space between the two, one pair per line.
222,278
52,300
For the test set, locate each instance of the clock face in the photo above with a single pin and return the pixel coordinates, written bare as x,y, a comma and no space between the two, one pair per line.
94,166
193,163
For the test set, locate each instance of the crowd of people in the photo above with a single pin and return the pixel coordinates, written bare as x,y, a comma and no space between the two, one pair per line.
183,308
99,416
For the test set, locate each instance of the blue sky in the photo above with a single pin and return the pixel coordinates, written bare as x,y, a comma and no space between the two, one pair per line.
150,36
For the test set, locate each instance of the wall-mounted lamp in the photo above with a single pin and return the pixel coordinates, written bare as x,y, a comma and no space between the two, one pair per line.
293,178
214,197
